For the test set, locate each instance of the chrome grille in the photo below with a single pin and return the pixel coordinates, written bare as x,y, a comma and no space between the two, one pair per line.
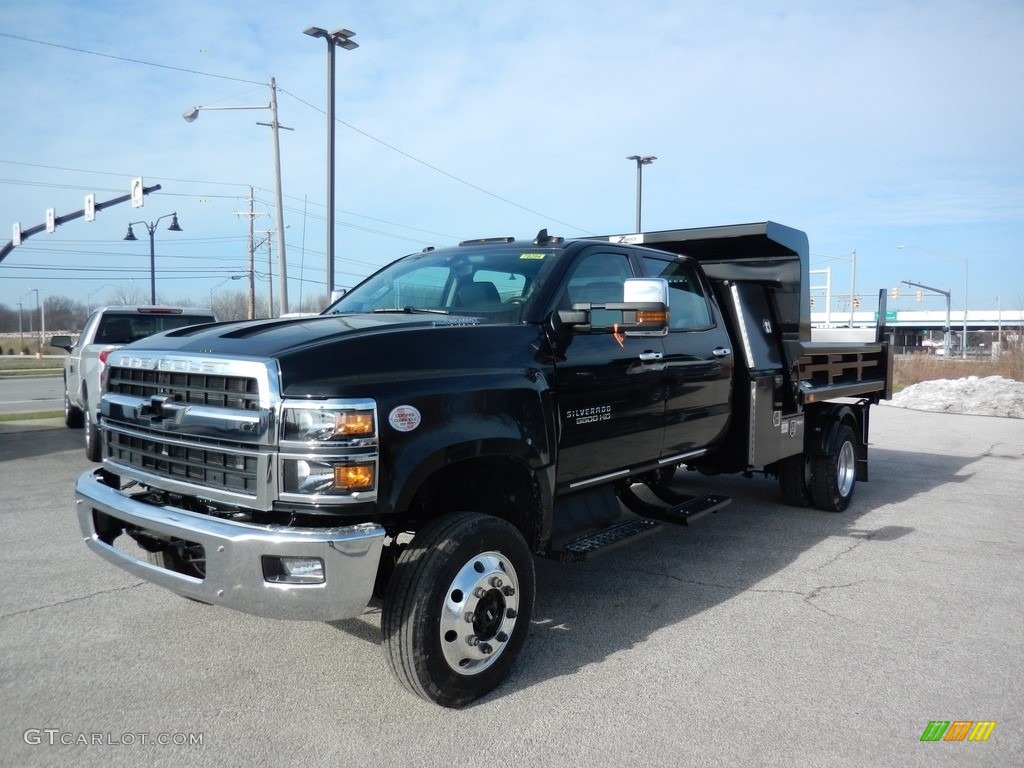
215,390
210,466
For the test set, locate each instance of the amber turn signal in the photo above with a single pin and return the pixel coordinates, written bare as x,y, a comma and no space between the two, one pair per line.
353,477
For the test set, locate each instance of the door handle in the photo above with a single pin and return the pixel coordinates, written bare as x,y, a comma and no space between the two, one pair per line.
651,357
721,352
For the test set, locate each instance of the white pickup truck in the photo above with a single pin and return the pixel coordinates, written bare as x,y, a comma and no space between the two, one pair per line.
107,329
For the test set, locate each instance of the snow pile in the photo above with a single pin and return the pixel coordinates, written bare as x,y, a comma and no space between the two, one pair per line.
975,396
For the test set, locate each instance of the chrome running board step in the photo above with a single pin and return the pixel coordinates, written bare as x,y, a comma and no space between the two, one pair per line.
578,549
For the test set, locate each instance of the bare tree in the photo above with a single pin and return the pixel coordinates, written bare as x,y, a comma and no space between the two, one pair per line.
314,303
128,295
231,305
64,314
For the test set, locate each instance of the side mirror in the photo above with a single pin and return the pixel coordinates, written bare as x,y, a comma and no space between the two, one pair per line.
642,312
62,342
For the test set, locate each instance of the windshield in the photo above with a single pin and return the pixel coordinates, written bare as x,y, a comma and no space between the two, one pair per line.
491,283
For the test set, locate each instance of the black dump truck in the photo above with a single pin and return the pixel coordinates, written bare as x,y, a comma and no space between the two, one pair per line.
463,411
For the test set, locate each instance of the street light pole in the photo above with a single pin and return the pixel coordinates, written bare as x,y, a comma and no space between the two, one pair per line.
151,228
218,285
852,258
42,322
853,284
88,296
641,161
282,268
963,341
343,39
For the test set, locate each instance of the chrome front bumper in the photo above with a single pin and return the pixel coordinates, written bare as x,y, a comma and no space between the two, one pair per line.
234,551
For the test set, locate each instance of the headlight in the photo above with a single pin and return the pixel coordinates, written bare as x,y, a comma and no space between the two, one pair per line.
324,423
328,451
310,476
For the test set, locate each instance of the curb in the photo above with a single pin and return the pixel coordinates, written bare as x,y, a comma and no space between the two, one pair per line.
31,425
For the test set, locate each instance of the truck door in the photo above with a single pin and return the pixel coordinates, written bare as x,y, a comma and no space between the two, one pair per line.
698,360
610,388
73,367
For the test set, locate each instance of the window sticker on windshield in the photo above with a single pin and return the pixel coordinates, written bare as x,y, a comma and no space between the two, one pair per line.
532,256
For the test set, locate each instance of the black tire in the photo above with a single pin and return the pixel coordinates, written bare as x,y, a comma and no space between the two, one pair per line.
73,416
794,472
93,446
458,607
834,475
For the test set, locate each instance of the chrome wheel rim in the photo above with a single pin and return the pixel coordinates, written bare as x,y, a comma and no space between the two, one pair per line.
481,607
846,469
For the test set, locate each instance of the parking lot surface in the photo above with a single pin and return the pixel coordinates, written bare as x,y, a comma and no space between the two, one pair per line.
762,635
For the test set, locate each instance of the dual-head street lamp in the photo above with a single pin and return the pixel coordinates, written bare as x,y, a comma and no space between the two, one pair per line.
191,114
341,38
641,161
151,228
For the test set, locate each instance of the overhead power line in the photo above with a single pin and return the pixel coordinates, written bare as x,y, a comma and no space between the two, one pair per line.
383,143
125,58
434,168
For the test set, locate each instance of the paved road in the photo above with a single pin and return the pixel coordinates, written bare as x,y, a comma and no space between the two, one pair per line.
24,394
764,635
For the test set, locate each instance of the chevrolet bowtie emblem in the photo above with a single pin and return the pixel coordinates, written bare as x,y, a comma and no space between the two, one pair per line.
163,407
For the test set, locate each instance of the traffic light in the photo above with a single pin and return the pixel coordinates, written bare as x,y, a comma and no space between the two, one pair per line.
138,193
919,296
856,302
894,293
812,301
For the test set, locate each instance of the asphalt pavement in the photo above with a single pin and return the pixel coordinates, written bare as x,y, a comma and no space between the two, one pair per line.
763,635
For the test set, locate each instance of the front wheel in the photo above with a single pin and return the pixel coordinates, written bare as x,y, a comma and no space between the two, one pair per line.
834,475
458,607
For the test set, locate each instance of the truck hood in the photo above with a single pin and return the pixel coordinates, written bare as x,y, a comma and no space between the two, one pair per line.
323,355
274,338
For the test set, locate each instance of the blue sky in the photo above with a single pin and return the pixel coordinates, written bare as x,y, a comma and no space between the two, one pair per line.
866,124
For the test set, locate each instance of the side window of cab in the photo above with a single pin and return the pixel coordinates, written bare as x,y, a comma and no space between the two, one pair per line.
689,309
596,277
87,329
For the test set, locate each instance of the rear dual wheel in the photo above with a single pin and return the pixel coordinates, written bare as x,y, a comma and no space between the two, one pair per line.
458,607
834,475
794,477
825,481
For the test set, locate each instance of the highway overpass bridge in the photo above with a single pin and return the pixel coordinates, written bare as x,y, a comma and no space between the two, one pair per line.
923,329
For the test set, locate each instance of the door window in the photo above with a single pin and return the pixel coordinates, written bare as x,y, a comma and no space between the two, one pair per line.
688,306
597,278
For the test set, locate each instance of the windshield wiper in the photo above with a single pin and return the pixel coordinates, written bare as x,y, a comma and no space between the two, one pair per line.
414,311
